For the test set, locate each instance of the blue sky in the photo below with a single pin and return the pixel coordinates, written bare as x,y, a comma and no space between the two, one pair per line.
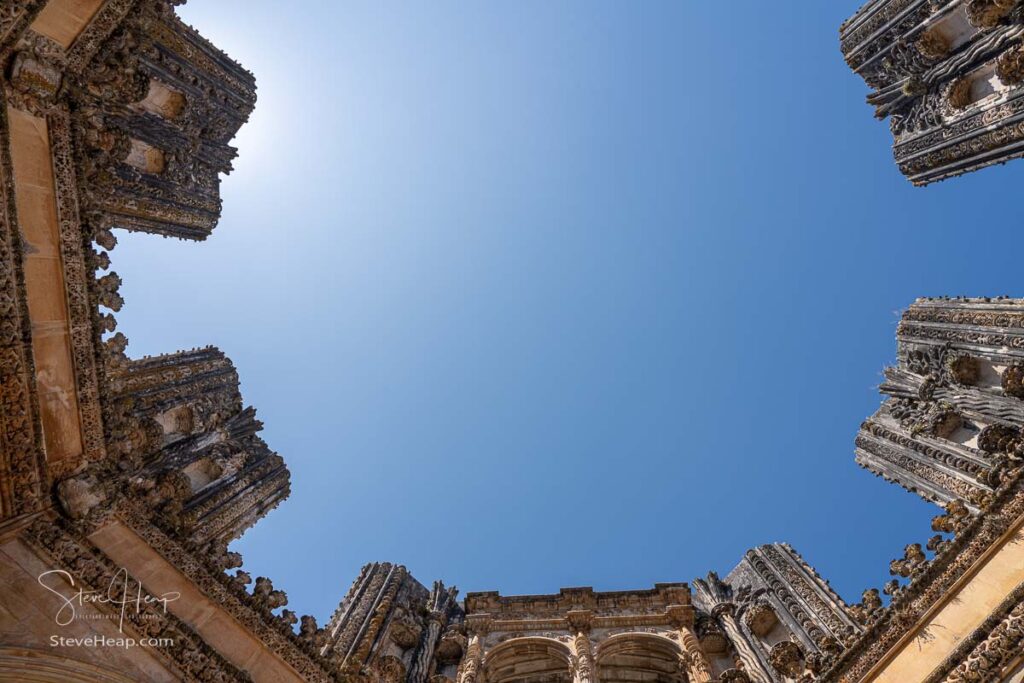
534,294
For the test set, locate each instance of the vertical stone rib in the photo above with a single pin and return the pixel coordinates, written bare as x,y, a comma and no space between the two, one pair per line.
696,661
751,662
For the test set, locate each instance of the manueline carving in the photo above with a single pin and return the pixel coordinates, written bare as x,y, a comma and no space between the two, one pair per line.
986,14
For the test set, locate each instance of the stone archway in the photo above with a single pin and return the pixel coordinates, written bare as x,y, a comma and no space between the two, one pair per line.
639,658
528,660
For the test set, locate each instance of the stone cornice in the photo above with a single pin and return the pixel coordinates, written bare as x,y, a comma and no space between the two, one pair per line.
652,601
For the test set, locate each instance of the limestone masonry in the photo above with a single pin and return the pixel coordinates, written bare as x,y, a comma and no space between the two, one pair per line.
116,115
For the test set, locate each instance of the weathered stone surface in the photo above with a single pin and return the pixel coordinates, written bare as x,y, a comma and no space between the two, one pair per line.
137,473
947,75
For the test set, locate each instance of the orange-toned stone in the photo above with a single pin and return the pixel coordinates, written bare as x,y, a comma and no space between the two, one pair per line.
63,20
37,218
45,279
30,149
35,200
162,101
213,624
961,612
27,612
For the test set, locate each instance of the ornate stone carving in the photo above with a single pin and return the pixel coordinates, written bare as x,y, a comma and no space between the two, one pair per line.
1013,380
971,542
962,368
469,669
760,618
985,662
787,658
926,417
388,669
734,676
1010,66
451,647
986,14
891,454
933,45
23,475
712,640
35,78
912,560
387,610
77,279
80,495
811,589
923,81
695,658
868,608
15,16
957,516
1000,439
204,569
584,670
404,633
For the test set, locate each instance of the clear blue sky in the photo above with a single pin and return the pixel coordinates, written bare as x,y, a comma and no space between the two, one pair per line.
536,294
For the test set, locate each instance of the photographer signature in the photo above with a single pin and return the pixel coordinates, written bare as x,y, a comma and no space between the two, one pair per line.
122,596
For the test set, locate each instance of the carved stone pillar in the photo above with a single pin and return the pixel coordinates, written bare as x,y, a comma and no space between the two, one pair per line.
726,614
472,662
693,659
583,670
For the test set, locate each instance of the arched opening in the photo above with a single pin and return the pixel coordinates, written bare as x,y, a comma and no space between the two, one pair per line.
528,660
639,658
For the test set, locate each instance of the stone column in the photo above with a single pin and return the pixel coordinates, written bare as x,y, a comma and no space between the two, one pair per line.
583,669
472,661
752,666
470,669
693,659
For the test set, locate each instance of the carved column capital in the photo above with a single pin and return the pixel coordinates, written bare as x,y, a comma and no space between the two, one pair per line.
478,625
580,621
